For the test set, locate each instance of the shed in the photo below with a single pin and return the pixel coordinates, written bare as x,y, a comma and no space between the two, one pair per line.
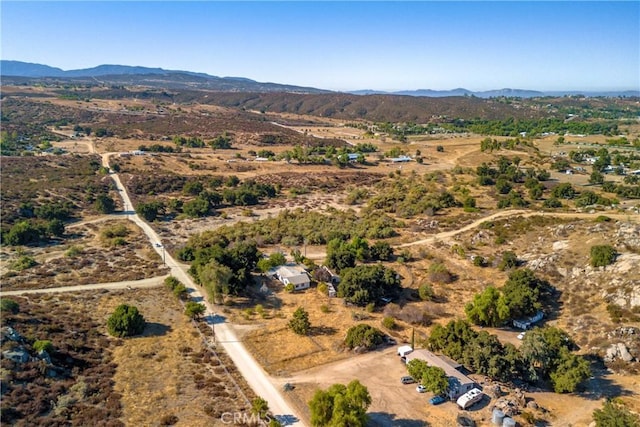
525,324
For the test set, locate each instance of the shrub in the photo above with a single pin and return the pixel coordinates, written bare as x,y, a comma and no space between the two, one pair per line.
370,307
23,263
363,335
300,322
171,282
325,308
602,255
439,273
180,291
323,288
425,291
389,323
479,261
9,306
43,345
194,310
73,251
125,321
509,260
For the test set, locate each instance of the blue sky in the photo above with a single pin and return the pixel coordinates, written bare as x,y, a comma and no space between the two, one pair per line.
343,45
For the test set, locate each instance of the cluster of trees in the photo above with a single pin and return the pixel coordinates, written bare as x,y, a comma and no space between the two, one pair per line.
221,267
343,254
297,227
545,355
247,193
512,126
365,284
602,255
159,148
412,195
190,142
520,296
490,145
36,223
340,405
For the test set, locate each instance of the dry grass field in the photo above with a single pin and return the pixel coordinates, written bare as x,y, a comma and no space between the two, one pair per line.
169,375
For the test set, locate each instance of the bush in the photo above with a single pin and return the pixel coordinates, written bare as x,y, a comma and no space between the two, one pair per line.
9,306
125,321
602,255
73,251
300,322
439,273
171,282
425,291
509,260
479,261
363,335
389,323
194,310
43,345
23,263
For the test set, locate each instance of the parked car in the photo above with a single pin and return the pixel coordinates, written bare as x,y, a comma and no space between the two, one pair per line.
436,400
521,335
407,380
421,389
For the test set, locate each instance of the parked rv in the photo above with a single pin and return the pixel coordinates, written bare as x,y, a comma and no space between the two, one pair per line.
470,398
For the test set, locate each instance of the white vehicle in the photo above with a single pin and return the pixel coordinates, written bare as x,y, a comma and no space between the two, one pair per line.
470,398
421,389
404,350
521,335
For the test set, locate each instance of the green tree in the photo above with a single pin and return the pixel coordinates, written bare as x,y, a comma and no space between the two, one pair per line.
571,370
196,208
435,380
522,292
104,204
363,335
488,308
596,177
614,414
365,284
417,368
125,321
9,306
194,310
340,405
23,233
299,323
150,210
602,255
215,278
259,407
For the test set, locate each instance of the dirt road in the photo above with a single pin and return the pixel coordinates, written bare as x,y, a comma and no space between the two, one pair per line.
225,336
129,284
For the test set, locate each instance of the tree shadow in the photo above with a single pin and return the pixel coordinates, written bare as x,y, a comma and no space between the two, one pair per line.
322,330
153,329
286,420
384,419
599,386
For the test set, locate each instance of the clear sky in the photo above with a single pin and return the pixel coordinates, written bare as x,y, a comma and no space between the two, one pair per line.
398,45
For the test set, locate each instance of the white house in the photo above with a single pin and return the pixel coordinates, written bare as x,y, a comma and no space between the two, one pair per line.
292,274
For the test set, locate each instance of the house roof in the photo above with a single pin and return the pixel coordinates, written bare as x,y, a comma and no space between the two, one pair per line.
294,273
446,365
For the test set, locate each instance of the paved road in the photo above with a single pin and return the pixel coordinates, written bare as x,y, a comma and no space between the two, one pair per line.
253,373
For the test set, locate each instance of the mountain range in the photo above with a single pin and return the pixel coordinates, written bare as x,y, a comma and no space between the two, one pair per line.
178,79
